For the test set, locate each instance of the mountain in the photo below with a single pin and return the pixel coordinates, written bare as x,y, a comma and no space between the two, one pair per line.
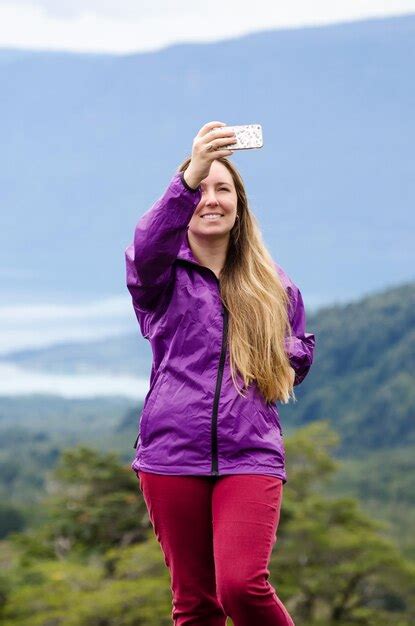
361,382
90,141
361,379
125,354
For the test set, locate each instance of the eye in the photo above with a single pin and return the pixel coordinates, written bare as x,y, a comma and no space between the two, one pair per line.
223,189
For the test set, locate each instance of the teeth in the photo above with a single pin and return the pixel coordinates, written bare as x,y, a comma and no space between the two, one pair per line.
211,216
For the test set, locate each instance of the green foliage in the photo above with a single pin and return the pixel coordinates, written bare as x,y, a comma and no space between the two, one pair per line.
128,587
362,376
11,519
384,482
361,382
92,503
95,560
330,558
33,432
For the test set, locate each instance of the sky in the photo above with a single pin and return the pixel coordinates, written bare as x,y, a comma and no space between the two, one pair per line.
121,27
125,26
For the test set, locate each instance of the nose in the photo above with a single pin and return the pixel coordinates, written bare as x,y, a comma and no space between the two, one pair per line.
211,199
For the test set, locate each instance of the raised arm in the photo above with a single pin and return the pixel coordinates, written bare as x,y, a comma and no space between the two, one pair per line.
157,239
160,231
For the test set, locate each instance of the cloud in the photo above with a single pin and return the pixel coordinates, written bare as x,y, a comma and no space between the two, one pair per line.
118,10
40,325
124,27
18,381
109,308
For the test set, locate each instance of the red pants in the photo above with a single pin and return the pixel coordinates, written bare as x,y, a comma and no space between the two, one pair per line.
217,536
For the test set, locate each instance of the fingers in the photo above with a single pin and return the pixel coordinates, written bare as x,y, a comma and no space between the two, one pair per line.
214,136
208,127
208,145
219,144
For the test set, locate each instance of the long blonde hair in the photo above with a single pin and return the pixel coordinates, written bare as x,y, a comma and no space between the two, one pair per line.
257,304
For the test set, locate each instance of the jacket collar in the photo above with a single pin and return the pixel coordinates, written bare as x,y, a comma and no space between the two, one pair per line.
185,252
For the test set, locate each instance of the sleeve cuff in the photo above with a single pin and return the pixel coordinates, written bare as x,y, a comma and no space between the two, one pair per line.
186,185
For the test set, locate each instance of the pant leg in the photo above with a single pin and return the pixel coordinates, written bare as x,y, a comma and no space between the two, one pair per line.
180,511
246,512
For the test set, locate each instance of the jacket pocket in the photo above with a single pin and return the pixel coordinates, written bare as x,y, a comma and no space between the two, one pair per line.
149,407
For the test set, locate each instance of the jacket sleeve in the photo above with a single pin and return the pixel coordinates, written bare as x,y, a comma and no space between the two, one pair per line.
157,239
300,344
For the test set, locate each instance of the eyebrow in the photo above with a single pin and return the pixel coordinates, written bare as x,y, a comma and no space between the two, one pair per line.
222,182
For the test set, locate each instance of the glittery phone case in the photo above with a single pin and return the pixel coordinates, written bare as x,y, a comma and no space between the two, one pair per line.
247,136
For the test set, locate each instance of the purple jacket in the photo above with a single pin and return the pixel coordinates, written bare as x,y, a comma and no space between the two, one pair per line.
193,420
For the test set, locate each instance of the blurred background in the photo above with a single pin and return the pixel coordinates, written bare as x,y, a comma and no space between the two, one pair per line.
100,102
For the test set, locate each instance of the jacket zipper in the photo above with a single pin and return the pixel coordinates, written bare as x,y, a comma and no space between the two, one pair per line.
215,463
215,466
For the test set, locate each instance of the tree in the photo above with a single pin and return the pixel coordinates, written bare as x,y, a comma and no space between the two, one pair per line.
330,559
92,503
96,561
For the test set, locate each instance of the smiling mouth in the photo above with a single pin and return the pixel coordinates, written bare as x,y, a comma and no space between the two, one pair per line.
211,217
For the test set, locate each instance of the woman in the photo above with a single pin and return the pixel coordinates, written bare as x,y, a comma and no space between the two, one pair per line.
227,329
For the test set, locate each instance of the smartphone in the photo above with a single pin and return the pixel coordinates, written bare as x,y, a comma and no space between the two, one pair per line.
247,136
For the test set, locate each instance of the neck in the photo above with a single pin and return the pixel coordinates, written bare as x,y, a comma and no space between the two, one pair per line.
209,251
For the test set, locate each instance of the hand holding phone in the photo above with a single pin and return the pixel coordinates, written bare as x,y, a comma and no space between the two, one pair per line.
208,145
212,142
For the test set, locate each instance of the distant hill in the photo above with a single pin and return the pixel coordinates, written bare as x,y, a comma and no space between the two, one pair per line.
362,378
89,141
361,381
124,354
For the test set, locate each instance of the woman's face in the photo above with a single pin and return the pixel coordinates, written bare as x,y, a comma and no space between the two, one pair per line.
218,196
